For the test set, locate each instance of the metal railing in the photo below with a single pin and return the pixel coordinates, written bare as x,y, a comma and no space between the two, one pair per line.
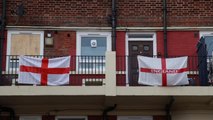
84,70
90,70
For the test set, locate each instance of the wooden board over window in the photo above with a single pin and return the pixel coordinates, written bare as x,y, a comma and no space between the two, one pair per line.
25,44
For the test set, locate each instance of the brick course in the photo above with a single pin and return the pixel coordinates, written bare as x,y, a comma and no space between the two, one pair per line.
95,13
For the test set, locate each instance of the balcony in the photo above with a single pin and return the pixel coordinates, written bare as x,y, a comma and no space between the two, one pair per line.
100,75
99,82
84,70
90,70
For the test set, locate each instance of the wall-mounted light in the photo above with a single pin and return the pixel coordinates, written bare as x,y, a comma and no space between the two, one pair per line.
49,40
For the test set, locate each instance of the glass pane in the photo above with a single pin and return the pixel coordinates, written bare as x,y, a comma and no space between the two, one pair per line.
88,50
13,64
97,66
96,63
146,47
140,35
209,43
71,118
134,48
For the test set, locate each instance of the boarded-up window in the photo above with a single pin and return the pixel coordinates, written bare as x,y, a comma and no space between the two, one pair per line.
25,44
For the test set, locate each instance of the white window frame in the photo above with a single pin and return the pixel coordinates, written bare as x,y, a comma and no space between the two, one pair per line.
135,118
30,118
12,32
205,33
91,34
153,39
71,117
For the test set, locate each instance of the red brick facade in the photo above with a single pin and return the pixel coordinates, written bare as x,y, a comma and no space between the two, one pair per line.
180,43
64,44
130,13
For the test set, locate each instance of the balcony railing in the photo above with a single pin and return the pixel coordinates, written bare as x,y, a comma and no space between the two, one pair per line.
84,70
92,70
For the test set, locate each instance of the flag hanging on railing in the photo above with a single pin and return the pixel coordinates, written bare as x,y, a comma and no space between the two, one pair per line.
162,71
43,71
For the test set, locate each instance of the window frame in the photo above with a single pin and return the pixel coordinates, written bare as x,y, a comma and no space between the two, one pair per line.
16,32
71,117
135,117
78,51
30,118
205,33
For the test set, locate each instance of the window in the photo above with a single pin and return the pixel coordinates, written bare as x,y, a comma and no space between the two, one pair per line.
209,41
91,48
135,118
209,47
71,118
23,43
30,118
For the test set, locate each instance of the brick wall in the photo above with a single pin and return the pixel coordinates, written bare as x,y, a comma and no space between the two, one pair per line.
190,12
179,43
140,13
96,13
64,43
61,12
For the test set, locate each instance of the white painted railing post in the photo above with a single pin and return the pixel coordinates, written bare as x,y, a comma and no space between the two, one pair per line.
110,71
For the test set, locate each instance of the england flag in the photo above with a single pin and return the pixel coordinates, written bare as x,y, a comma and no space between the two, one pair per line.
43,71
162,71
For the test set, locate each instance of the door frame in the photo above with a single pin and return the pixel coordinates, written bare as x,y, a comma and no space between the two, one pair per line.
153,39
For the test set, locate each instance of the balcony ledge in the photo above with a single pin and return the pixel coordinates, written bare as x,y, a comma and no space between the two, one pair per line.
51,90
165,91
101,91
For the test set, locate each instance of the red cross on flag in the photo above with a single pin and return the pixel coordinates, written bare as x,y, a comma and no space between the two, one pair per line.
43,71
162,72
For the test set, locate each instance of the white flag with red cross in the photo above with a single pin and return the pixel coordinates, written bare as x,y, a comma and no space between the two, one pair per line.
162,71
43,71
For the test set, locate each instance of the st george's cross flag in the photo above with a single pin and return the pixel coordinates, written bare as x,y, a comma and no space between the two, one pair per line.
43,71
162,71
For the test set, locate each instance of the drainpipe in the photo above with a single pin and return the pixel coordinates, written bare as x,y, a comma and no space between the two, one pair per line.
168,108
165,28
3,20
108,109
114,24
9,110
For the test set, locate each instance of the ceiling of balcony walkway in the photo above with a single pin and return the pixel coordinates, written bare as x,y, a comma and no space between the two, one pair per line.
96,104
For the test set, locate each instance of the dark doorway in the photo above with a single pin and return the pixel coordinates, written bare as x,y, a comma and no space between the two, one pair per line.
144,48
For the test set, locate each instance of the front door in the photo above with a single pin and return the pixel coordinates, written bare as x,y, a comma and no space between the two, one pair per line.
144,48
